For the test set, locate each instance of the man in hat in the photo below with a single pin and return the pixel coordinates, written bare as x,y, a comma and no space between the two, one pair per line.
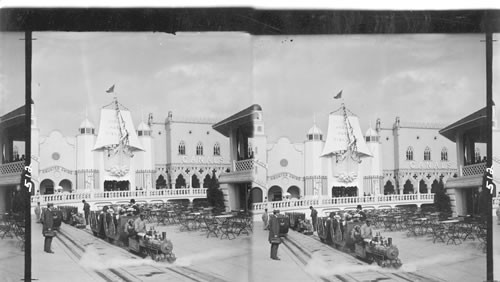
265,219
274,236
140,224
367,230
362,214
48,228
86,211
314,217
134,206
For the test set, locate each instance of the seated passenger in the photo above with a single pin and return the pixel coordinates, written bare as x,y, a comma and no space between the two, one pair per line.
367,230
140,224
356,234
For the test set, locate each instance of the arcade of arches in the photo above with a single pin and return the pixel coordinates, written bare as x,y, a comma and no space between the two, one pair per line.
47,186
276,193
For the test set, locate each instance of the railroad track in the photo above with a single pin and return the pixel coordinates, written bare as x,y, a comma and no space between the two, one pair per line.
141,272
361,271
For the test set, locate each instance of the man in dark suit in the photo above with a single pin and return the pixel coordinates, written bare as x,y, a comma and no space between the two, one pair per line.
48,228
274,236
86,211
314,217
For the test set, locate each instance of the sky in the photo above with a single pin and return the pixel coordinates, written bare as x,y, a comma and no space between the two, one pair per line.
12,70
420,78
191,74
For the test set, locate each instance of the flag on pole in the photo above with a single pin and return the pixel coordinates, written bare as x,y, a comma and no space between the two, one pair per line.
111,89
338,96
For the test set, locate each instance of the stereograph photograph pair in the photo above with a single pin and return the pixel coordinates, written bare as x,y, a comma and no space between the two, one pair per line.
241,144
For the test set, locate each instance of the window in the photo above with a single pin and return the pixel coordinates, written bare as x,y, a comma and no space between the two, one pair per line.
427,154
409,154
444,154
477,154
199,149
216,149
182,148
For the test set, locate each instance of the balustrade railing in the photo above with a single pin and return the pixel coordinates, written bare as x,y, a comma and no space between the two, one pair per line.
12,168
346,201
473,169
118,195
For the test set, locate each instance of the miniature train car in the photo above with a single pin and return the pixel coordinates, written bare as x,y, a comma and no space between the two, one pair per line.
333,232
158,248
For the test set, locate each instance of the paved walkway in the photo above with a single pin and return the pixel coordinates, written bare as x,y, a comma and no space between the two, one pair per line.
60,266
11,260
496,247
464,262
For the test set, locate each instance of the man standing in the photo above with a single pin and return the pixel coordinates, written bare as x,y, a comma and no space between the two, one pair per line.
265,219
47,230
86,211
362,214
135,207
314,217
37,212
274,236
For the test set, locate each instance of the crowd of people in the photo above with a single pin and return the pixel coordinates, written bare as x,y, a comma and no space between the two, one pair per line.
360,233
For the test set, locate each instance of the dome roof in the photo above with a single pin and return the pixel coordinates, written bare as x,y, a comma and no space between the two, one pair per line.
371,132
143,127
86,124
314,130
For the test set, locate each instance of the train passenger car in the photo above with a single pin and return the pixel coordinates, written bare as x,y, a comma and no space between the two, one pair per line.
379,250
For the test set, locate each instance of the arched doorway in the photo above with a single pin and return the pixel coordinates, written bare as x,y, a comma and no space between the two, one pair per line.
113,185
294,192
46,187
66,185
257,195
207,181
422,187
408,187
342,191
180,182
195,182
388,188
161,183
275,193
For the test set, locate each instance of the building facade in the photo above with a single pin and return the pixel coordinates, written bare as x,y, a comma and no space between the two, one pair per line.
189,152
402,158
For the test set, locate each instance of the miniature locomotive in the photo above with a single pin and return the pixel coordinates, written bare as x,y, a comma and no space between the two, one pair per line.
332,231
112,229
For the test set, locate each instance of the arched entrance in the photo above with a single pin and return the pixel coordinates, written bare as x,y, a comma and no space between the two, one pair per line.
388,188
257,195
408,187
66,185
113,185
46,187
275,193
161,183
294,192
422,187
195,182
342,191
180,182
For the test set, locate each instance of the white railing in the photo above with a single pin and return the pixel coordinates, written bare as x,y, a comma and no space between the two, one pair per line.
244,165
473,169
120,195
347,201
12,168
